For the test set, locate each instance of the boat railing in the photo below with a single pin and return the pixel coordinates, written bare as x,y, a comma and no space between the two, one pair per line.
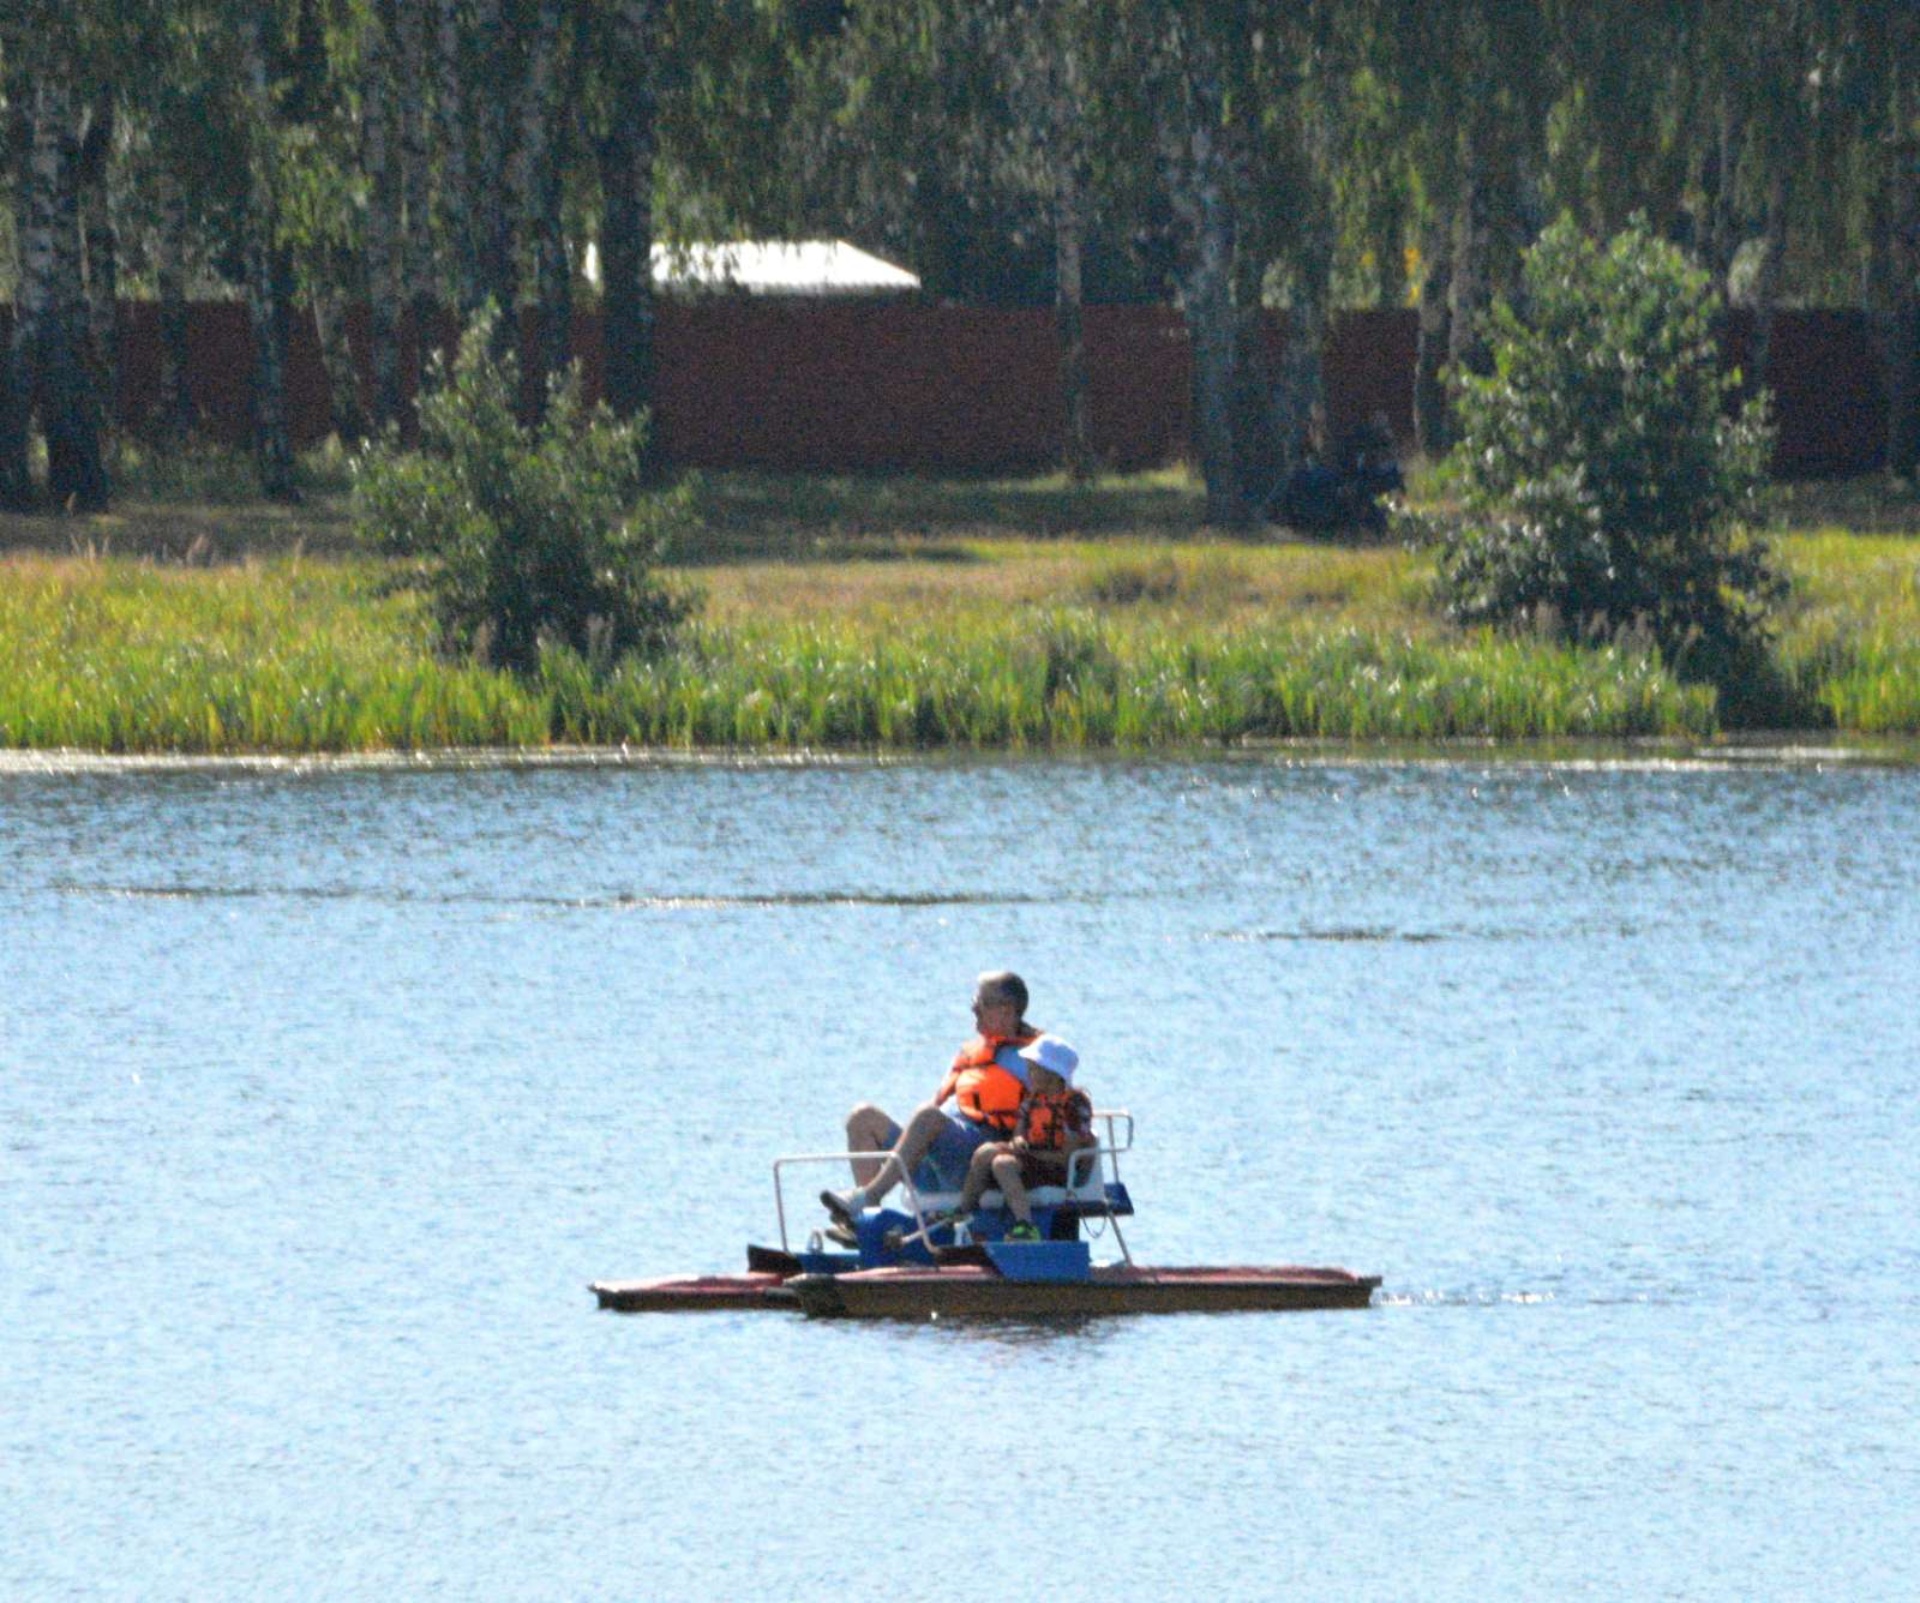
1083,1168
1116,1120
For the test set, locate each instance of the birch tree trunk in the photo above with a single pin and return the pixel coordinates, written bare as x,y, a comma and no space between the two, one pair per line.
1897,326
1200,183
102,246
1298,404
16,390
16,478
1432,426
625,157
1041,54
1390,250
50,343
493,80
1470,285
1300,398
174,409
349,416
1213,330
1069,230
416,203
383,222
1766,281
1261,459
536,192
1723,212
460,275
1892,288
1469,288
266,274
556,273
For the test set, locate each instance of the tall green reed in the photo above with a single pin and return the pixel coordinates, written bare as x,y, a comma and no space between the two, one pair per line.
304,656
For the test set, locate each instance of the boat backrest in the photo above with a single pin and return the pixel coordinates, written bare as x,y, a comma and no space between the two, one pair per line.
1088,1186
1084,1174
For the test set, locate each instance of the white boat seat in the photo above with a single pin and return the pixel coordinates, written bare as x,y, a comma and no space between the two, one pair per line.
1088,1197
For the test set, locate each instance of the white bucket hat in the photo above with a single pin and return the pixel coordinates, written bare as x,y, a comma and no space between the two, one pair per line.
1052,1053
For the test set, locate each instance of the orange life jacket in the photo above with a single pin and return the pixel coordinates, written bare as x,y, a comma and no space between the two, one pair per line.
1051,1122
985,1092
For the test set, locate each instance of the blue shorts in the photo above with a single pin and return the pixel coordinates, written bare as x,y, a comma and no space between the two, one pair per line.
944,1168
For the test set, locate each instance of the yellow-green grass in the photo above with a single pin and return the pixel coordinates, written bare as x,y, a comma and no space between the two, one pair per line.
1849,636
1062,646
1128,643
120,656
857,614
1074,680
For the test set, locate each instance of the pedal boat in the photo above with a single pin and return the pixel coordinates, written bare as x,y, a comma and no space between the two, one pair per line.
911,1265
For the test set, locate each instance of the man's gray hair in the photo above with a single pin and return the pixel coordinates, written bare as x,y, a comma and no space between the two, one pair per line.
1006,985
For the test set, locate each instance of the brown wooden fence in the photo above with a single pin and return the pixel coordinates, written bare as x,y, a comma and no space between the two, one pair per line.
897,386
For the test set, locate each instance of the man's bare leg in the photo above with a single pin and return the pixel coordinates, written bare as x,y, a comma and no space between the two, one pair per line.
914,1142
922,1130
869,1129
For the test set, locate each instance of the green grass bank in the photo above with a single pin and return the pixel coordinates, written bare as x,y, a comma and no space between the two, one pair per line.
847,615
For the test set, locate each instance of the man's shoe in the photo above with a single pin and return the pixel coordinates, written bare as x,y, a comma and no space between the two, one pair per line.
1023,1232
841,1234
843,1206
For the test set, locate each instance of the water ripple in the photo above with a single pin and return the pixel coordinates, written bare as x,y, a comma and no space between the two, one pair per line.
1462,1299
616,901
1334,933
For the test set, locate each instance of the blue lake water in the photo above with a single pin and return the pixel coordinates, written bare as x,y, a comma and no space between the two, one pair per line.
325,1090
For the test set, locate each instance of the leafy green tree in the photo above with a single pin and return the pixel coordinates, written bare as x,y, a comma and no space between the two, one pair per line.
59,66
899,132
526,536
1472,84
1877,193
268,266
1246,156
1230,96
685,128
1041,49
1604,483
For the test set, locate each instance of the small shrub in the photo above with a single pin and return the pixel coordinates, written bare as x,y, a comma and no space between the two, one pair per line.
1602,478
1124,583
185,471
201,470
525,536
1070,653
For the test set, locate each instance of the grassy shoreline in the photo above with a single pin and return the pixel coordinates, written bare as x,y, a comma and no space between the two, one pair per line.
890,616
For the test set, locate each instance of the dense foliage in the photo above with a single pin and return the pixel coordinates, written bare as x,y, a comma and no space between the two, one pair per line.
1604,482
525,535
1227,155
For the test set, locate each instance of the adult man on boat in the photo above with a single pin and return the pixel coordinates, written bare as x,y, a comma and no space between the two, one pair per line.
986,1083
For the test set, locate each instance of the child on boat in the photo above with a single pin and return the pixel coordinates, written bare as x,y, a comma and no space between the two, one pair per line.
1054,1122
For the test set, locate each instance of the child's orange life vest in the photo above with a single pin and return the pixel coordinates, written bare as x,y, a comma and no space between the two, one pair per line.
1051,1122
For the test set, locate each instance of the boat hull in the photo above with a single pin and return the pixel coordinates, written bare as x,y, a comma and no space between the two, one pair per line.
692,1294
975,1291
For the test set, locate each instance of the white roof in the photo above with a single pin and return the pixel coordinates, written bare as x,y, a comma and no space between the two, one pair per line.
768,267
